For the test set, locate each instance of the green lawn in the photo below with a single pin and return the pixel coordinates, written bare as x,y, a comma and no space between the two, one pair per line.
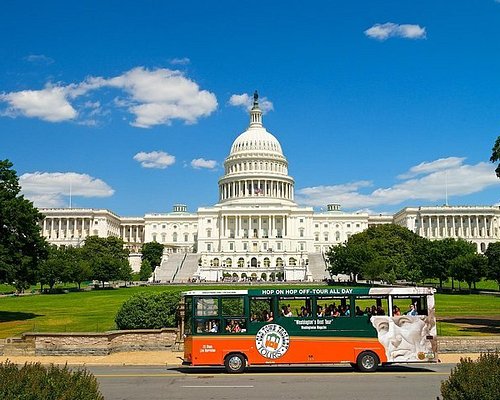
94,311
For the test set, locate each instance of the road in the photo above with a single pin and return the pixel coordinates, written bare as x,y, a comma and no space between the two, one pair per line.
307,383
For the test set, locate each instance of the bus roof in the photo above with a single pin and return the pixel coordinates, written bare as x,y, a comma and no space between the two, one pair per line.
319,291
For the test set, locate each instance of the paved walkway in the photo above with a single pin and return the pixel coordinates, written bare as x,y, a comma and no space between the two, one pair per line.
163,358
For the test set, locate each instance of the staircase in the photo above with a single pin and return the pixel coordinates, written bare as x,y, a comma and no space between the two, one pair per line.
317,267
188,268
169,267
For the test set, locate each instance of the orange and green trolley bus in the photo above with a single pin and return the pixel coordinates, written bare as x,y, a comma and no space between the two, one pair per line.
361,326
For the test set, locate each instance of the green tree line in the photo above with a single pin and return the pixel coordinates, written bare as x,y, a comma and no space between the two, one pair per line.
391,253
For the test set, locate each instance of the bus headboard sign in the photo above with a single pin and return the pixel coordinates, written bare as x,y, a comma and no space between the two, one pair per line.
315,291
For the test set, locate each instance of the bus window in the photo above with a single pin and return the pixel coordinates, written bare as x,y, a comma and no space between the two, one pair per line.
402,305
297,306
371,305
188,316
233,306
235,325
207,326
261,309
328,306
207,306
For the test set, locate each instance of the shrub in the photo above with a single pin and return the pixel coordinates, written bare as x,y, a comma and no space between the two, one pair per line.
37,382
149,311
471,380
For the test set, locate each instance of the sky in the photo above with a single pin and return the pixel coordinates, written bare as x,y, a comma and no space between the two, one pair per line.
133,106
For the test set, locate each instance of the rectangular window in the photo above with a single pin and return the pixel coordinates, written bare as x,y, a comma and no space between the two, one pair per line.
231,246
330,306
209,246
371,305
296,306
278,245
206,306
233,307
261,309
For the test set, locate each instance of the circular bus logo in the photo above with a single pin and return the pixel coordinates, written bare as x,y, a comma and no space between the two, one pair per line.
272,341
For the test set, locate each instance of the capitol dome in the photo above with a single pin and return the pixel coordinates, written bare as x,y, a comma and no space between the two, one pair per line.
256,168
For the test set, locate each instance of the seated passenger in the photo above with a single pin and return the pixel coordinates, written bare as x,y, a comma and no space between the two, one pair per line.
396,312
359,311
214,328
412,311
288,311
321,312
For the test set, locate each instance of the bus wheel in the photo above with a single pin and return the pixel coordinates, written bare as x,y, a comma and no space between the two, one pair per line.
235,363
367,361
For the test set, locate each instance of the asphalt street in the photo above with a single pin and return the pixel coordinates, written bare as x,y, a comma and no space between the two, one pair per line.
290,383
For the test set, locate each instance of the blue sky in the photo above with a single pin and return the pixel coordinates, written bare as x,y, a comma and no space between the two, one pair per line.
133,106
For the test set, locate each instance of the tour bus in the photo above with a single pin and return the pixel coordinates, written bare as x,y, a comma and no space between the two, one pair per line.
363,327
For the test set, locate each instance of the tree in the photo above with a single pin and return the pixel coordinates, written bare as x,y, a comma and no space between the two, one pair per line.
153,252
108,258
387,252
146,271
53,269
469,268
441,254
22,248
78,268
495,155
493,267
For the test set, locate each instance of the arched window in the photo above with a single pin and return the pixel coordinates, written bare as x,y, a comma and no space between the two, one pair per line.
279,262
229,262
292,261
267,262
337,236
174,237
216,262
241,262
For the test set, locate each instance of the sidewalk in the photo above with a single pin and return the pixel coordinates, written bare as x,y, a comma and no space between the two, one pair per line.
157,358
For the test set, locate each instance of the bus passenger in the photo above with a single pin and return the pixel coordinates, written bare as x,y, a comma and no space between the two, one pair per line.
321,312
412,311
288,311
359,312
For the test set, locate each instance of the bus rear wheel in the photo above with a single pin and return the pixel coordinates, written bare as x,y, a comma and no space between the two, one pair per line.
367,361
235,363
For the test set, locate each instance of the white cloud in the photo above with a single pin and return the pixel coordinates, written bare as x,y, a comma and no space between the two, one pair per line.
199,163
155,159
458,179
180,61
48,189
39,59
162,95
50,104
385,31
434,166
154,97
246,101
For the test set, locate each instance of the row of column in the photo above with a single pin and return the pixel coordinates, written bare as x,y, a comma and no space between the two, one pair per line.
132,233
471,227
256,187
276,226
61,228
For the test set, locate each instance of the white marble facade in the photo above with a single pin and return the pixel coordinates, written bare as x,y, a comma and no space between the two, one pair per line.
256,226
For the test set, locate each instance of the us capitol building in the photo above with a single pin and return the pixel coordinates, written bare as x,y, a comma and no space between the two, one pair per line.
256,230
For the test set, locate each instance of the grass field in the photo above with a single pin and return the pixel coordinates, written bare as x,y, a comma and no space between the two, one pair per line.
94,311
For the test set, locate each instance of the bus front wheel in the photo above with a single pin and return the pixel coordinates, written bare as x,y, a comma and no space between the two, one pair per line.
235,363
367,361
